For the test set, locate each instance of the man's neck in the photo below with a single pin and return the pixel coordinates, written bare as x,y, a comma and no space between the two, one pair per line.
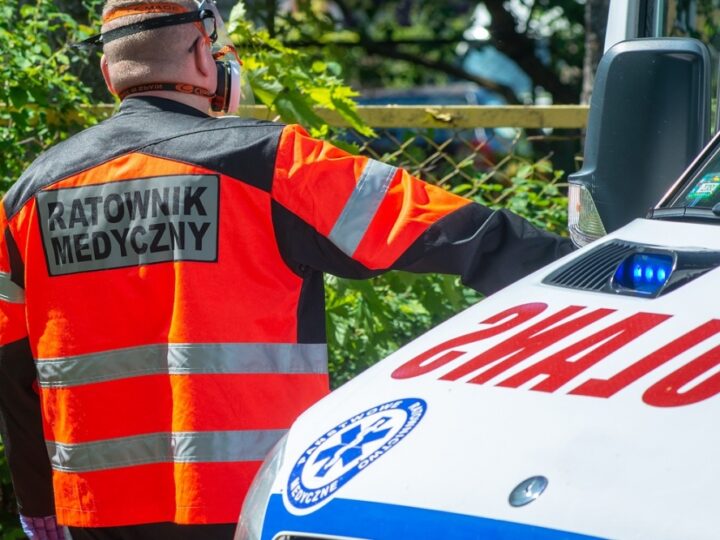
200,103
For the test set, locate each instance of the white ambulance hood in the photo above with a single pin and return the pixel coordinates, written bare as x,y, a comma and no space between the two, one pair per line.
611,399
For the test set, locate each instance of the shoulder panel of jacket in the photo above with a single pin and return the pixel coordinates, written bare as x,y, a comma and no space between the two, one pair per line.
240,148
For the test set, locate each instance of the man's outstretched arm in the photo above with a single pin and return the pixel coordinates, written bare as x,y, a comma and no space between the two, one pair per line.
356,217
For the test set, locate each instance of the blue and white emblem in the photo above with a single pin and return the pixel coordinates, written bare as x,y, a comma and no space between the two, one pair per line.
348,448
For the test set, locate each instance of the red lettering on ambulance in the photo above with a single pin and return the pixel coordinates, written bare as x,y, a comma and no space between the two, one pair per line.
608,387
502,322
666,392
525,344
560,368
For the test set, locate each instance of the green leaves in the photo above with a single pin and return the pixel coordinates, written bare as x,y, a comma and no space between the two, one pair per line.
294,106
368,320
37,82
9,525
290,82
535,194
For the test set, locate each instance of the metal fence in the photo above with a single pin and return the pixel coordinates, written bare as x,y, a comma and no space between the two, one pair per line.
460,158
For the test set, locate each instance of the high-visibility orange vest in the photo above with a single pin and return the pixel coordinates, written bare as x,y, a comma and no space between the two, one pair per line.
165,269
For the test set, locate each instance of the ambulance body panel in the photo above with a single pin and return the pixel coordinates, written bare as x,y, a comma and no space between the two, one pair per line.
424,440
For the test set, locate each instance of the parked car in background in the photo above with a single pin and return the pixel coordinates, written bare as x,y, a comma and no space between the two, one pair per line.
490,142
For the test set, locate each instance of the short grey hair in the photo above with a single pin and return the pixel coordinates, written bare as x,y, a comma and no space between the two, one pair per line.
149,56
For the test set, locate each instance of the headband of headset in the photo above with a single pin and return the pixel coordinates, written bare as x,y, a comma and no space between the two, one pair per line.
148,24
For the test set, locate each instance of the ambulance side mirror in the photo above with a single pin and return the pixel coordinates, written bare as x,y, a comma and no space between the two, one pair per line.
649,117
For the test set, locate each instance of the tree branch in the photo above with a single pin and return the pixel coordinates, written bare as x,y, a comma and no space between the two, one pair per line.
348,15
595,22
521,49
443,67
389,51
387,42
271,8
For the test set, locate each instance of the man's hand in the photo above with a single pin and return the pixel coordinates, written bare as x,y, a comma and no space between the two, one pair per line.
42,528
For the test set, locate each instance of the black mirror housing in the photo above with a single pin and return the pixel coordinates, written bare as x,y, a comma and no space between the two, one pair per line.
649,117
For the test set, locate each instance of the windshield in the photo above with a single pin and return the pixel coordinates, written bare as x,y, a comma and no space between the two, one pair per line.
699,19
702,190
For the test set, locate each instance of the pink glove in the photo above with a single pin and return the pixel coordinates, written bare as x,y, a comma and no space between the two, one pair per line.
42,528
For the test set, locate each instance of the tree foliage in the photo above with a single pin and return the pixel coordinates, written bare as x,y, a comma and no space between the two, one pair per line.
411,42
45,97
290,82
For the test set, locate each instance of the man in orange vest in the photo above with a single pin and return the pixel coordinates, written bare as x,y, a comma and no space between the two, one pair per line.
161,291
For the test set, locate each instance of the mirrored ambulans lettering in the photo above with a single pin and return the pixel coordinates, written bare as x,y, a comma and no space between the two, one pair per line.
689,384
443,353
126,223
547,373
605,388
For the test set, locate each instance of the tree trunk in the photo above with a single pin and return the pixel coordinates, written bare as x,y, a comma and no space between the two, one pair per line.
596,13
271,11
521,48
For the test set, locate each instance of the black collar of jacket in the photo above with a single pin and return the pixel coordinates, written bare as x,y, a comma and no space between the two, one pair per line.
152,103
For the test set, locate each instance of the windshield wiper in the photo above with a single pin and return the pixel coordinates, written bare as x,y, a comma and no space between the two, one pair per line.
686,213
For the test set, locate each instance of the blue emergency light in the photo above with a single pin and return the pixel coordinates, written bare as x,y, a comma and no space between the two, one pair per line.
644,273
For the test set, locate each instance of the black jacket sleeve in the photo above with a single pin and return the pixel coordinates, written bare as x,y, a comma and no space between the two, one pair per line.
487,249
356,217
22,432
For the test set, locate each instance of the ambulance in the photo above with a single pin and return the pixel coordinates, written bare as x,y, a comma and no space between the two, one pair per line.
582,401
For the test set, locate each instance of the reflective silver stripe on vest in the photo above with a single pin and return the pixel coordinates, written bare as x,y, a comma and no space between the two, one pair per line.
180,447
183,359
360,208
10,291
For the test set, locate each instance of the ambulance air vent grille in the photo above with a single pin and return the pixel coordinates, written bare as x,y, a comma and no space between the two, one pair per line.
594,270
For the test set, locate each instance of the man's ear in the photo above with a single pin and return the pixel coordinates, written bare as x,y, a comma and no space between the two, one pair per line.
105,69
205,63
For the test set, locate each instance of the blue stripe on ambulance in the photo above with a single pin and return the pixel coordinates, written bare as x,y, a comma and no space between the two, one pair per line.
361,519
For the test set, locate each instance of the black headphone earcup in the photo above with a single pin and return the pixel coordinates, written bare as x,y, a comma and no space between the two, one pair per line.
222,91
